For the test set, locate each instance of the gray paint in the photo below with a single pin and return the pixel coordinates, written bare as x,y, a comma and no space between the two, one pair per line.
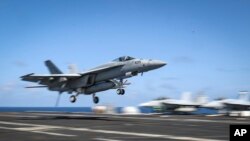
94,80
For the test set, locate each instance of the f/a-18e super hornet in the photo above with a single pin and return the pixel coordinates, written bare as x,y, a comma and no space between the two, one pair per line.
104,77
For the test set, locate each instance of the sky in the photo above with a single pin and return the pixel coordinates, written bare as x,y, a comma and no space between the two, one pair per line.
205,43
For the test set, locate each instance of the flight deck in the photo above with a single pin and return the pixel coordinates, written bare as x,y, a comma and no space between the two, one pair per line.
40,126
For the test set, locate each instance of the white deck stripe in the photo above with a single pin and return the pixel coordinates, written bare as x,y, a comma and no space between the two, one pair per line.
103,139
144,134
184,120
19,116
116,132
24,124
54,134
42,132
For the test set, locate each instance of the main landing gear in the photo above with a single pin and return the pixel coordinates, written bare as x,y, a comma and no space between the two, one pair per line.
73,98
120,91
95,99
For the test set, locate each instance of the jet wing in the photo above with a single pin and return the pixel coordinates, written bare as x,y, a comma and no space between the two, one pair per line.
238,106
176,104
44,77
101,69
40,77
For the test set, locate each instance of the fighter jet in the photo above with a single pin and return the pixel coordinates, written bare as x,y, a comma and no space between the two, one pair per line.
240,104
184,105
101,78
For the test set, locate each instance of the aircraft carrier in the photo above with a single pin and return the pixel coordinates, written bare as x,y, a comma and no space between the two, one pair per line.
41,126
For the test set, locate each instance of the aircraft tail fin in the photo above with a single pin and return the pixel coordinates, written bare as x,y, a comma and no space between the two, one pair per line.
52,67
187,96
73,68
243,95
201,99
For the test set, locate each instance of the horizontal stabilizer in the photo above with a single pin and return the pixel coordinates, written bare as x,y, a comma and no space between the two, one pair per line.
27,75
53,75
36,87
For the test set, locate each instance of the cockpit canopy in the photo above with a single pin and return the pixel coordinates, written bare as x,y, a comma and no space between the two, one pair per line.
123,58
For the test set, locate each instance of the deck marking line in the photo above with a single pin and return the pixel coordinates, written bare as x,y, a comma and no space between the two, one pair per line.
116,132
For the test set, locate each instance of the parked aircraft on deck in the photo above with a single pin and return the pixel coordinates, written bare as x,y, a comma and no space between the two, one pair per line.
186,104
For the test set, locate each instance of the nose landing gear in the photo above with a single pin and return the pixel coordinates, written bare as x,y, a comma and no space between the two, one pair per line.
120,85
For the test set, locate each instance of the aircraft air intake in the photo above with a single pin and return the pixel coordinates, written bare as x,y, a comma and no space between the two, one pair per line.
131,73
99,87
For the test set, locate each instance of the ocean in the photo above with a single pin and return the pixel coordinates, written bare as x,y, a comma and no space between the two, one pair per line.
200,111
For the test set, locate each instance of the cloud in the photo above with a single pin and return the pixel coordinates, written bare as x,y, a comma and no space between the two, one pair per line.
168,87
183,59
169,78
11,86
7,87
150,87
20,64
16,87
229,70
165,84
245,69
224,70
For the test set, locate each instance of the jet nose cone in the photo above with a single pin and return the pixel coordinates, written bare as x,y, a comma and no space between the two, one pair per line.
154,64
159,63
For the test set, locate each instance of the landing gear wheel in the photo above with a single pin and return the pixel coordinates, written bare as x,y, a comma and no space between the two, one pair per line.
120,91
72,99
96,99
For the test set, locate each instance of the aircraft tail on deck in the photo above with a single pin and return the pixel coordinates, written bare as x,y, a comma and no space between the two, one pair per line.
244,96
201,99
187,96
52,67
73,68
